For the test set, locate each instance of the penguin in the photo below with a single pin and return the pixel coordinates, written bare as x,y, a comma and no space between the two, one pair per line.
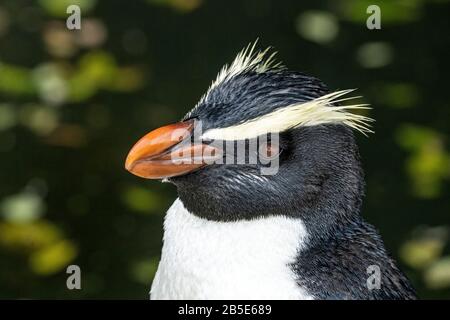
237,231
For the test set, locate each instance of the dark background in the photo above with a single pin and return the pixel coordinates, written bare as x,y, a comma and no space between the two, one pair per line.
72,103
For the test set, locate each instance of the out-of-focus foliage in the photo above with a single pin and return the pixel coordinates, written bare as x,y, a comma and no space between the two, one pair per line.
317,26
429,164
179,5
58,8
73,102
424,252
394,12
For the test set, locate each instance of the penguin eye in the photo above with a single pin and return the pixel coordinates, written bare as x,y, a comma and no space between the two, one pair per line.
269,150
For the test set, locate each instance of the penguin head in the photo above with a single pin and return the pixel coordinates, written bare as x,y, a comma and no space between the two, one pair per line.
262,141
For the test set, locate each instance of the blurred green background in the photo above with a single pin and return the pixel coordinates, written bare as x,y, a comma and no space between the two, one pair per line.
72,103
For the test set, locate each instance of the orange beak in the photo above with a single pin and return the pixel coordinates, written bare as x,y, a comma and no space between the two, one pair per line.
168,152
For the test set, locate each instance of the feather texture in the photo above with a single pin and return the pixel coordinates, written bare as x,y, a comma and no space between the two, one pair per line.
315,112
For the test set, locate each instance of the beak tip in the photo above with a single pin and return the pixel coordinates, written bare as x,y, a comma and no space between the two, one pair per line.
129,163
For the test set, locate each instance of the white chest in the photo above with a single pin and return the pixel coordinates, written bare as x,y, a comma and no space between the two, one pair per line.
203,259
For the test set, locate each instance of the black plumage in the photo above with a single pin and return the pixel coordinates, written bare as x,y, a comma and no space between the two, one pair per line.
320,181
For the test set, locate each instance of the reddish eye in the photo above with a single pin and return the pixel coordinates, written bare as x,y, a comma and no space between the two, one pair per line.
269,150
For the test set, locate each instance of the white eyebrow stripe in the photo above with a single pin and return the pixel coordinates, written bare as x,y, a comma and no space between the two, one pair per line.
311,113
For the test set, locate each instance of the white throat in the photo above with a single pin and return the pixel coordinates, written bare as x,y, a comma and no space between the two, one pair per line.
204,259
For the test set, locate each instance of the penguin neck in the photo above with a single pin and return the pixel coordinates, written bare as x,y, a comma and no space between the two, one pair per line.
325,212
336,209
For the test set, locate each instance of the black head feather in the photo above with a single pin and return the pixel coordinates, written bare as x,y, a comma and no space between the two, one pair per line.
320,180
